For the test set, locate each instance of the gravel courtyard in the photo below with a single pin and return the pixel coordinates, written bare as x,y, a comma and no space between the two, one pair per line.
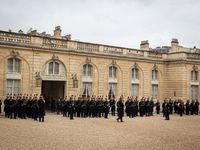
59,132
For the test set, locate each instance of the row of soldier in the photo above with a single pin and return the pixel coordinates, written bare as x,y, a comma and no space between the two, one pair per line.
83,106
93,107
24,106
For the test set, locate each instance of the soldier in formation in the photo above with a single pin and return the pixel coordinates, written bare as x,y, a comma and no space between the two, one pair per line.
23,107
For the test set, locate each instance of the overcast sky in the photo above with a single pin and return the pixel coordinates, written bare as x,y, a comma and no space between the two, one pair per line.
112,22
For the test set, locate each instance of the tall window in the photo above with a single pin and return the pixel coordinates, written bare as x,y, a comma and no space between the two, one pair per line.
134,90
194,92
87,70
87,89
53,68
154,75
134,73
112,72
13,86
112,89
194,76
13,65
154,91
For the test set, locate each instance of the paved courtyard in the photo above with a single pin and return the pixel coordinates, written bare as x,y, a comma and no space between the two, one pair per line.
59,132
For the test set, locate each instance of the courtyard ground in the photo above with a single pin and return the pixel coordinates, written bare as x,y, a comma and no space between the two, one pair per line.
57,132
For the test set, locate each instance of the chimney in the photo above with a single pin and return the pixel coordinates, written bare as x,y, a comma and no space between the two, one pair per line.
174,45
144,45
68,37
20,31
57,32
34,32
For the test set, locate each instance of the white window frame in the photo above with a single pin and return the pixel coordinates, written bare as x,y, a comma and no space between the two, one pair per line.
194,92
13,65
113,88
13,87
86,71
112,74
194,75
135,73
54,68
153,94
87,89
154,75
134,90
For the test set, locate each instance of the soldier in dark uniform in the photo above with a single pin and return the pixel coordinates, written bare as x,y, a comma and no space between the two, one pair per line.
192,107
13,108
64,107
78,106
84,105
71,107
53,104
131,108
6,101
106,108
181,108
147,107
23,107
127,107
197,106
158,107
142,107
35,108
19,106
58,103
120,109
90,107
10,106
175,106
187,105
151,106
166,109
170,106
41,111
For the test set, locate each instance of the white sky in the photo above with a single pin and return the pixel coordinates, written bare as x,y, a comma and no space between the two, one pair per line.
112,22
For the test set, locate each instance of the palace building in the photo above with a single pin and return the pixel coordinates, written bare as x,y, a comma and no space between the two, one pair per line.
57,66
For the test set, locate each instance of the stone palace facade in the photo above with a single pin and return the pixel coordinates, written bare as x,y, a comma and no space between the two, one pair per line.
57,66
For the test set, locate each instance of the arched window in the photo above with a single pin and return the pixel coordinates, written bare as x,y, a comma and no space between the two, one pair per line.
53,68
134,73
87,70
154,75
112,72
13,65
194,76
